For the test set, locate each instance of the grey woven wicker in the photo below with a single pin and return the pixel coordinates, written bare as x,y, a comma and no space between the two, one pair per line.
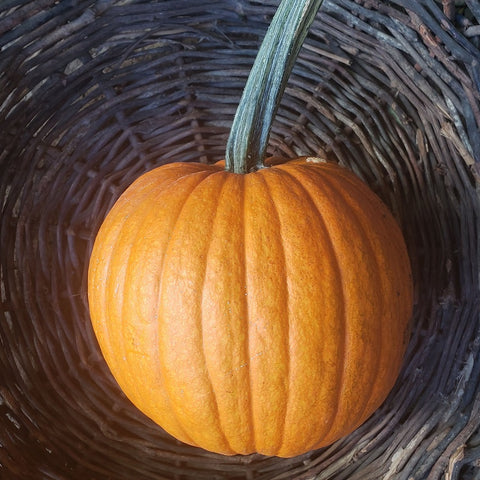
94,93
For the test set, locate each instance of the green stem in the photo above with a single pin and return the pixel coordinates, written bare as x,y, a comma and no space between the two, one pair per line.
266,83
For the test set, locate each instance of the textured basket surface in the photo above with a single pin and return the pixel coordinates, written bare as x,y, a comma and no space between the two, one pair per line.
94,93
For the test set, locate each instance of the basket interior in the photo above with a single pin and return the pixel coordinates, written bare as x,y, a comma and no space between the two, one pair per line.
95,93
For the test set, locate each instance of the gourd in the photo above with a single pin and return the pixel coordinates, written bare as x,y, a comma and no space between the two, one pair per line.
250,305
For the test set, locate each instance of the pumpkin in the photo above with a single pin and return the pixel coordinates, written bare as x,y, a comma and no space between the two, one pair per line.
262,312
265,312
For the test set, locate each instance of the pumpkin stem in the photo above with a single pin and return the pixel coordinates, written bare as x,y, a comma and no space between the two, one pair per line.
266,83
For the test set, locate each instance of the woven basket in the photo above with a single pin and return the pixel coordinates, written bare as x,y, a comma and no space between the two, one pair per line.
94,93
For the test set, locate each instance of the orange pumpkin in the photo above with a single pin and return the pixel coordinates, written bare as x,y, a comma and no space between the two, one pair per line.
262,312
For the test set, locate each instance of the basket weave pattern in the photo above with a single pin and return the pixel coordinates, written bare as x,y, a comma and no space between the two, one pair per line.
94,93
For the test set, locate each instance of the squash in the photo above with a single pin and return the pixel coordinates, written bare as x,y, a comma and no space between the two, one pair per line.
264,311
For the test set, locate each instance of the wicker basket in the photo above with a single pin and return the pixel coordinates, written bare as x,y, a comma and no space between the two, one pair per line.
94,93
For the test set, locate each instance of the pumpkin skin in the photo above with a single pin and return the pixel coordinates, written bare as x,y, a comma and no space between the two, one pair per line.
266,312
